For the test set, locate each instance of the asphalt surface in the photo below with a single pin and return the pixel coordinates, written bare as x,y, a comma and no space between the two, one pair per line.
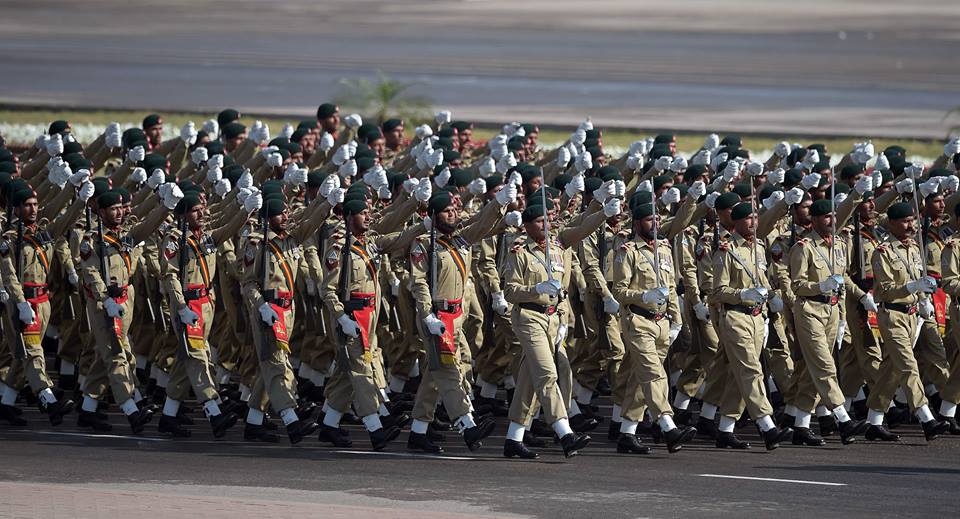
67,467
880,68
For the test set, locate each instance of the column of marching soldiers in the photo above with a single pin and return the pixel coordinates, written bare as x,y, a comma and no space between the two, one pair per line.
344,270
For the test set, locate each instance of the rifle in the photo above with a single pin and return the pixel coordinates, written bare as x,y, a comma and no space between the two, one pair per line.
115,345
265,329
179,328
433,350
343,288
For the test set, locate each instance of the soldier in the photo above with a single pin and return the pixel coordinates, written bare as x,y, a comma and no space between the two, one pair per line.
902,291
950,270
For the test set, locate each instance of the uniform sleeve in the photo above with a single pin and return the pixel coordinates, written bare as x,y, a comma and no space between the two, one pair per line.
398,241
485,221
573,235
488,277
252,264
853,290
593,275
885,285
799,263
332,264
950,269
90,270
623,264
419,278
723,292
171,277
515,289
8,272
687,268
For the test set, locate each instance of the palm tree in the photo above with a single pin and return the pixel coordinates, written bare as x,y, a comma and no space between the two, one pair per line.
382,97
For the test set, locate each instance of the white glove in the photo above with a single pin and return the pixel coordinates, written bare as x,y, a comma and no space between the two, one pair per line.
926,308
775,304
222,187
505,163
550,287
655,296
563,157
670,196
287,131
376,177
157,178
881,163
811,180
612,207
701,311
868,303
113,136
811,158
487,167
353,121
112,308
59,176
86,191
336,196
952,148
635,162
516,179
906,185
212,127
434,325
26,313
606,190
619,189
674,332
349,326
499,303
341,155
348,169
423,191
755,169
731,170
188,133
864,184
394,287
72,277
188,316
583,162
507,194
697,190
326,142
794,196
576,185
776,176
662,164
442,178
295,175
423,131
427,223
477,186
830,284
384,193
434,159
716,160
610,305
513,218
215,161
245,180
264,133
950,183
138,176
136,154
926,284
274,160
712,199
171,195
712,142
269,150
914,171
199,155
679,165
54,145
329,183
930,187
755,295
443,117
410,184
578,136
701,158
214,175
782,149
839,198
862,152
772,200
267,314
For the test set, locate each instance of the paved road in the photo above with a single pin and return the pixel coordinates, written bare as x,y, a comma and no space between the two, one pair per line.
45,472
882,67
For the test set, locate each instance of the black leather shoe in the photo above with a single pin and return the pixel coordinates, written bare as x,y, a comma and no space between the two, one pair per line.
221,423
859,409
8,413
497,407
787,420
630,444
707,428
382,436
138,420
93,420
850,429
773,437
420,442
57,410
515,449
677,436
613,431
532,440
804,436
582,424
727,440
572,443
334,436
540,428
259,433
952,426
880,433
300,429
473,435
682,417
440,425
395,420
828,425
305,410
934,428
896,416
170,425
435,436
184,418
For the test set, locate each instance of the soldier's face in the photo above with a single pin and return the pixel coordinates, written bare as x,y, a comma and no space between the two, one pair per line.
644,227
154,134
332,123
801,213
278,223
195,217
745,226
360,222
903,227
394,138
28,211
723,216
534,184
447,219
112,216
867,209
934,206
823,224
231,144
534,229
466,136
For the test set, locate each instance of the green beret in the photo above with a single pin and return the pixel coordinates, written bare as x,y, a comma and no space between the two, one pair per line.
530,173
152,120
732,140
766,192
851,170
743,189
154,161
315,178
900,210
272,207
741,211
661,180
592,184
364,164
792,177
641,211
283,152
821,148
307,124
101,185
364,151
461,126
895,151
898,164
535,210
939,172
366,129
639,198
840,187
130,136
870,195
516,143
592,134
292,147
227,116
187,204
326,110
233,173
279,141
392,124
232,130
460,177
109,198
493,181
354,206
726,201
22,195
450,156
228,161
214,148
591,143
356,195
660,150
4,180
72,147
445,133
529,128
561,181
885,177
693,172
821,207
8,167
125,195
821,166
664,138
58,126
395,180
608,173
443,143
5,155
14,185
439,202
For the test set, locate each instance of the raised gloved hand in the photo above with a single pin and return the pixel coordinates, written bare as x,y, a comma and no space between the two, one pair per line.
348,169
245,180
170,194
926,284
755,295
222,187
583,162
930,187
138,176
731,170
863,184
212,127
655,296
336,196
441,179
434,158
214,175
755,169
610,305
701,311
26,312
712,199
423,131
839,198
635,161
576,185
410,184
294,175
341,155
287,131
712,142
775,304
606,190
513,218
950,183
810,180
487,167
269,150
868,303
326,142
914,171
578,136
550,287
274,160
563,157
776,176
59,176
782,149
434,325
811,158
952,148
499,303
926,308
505,163
54,145
86,190
718,159
772,200
507,194
423,191
696,190
113,136
881,164
612,207
906,185
349,326
516,179
831,284
670,196
678,165
477,186
353,121
267,314
112,308
199,155
136,154
443,117
701,158
862,152
157,178
188,316
662,164
384,193
188,133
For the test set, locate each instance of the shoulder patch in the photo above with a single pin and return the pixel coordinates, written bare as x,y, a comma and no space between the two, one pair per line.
249,254
332,259
86,249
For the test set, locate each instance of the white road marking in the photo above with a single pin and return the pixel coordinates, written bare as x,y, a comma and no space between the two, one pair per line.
84,435
409,455
777,480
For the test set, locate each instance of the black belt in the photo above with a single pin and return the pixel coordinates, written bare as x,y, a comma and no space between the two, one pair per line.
749,310
643,312
34,292
448,307
196,293
357,303
543,309
116,292
900,307
832,300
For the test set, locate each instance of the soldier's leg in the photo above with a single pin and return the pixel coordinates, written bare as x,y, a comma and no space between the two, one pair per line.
931,355
648,342
950,393
850,374
586,360
743,343
899,367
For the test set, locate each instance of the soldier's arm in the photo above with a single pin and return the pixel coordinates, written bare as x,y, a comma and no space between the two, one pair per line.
149,225
51,208
768,220
171,277
799,258
390,243
486,219
674,225
722,291
419,278
90,270
488,277
623,265
571,236
884,201
885,285
395,219
58,227
252,268
8,273
847,207
852,289
950,269
593,274
687,268
231,229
